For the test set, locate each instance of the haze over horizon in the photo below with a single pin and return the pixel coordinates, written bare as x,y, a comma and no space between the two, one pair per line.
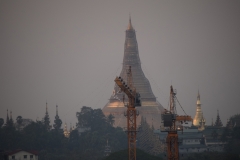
68,53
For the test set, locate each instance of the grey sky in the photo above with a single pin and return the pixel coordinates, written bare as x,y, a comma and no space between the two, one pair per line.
69,52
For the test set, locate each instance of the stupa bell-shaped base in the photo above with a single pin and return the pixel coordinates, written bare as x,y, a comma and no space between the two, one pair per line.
152,113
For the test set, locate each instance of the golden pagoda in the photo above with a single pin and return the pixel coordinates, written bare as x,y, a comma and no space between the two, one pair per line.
151,109
198,119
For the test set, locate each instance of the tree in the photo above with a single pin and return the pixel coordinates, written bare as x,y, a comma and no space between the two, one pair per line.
236,133
53,145
231,135
74,139
110,119
84,117
9,137
57,123
100,131
35,136
123,154
46,122
9,123
19,121
93,118
236,120
1,122
98,120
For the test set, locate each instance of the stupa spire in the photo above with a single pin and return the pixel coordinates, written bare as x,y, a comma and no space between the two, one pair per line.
198,99
10,115
65,131
46,119
107,149
218,122
199,115
7,117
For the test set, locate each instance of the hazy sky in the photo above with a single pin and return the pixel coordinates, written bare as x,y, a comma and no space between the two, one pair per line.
69,52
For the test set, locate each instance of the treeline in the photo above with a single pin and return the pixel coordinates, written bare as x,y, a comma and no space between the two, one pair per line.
140,155
211,156
53,145
230,136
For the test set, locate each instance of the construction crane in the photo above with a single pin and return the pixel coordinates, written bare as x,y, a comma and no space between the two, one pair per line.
131,114
169,120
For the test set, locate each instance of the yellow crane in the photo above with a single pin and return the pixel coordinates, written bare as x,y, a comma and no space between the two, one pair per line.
169,120
131,114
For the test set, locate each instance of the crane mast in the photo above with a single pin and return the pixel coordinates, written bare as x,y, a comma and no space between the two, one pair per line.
172,137
169,119
131,114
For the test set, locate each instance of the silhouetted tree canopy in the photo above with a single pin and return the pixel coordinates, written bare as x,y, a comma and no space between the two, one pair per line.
123,155
57,123
53,145
110,119
19,120
46,121
88,141
1,122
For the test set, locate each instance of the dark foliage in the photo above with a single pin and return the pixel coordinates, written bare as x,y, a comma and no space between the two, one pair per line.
54,146
210,156
100,131
46,121
123,154
110,119
231,135
19,120
1,122
9,137
57,123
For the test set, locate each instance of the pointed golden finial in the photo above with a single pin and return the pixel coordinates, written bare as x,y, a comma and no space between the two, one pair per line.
130,27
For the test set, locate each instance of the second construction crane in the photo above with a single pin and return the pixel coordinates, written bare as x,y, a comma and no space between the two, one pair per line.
131,114
169,120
